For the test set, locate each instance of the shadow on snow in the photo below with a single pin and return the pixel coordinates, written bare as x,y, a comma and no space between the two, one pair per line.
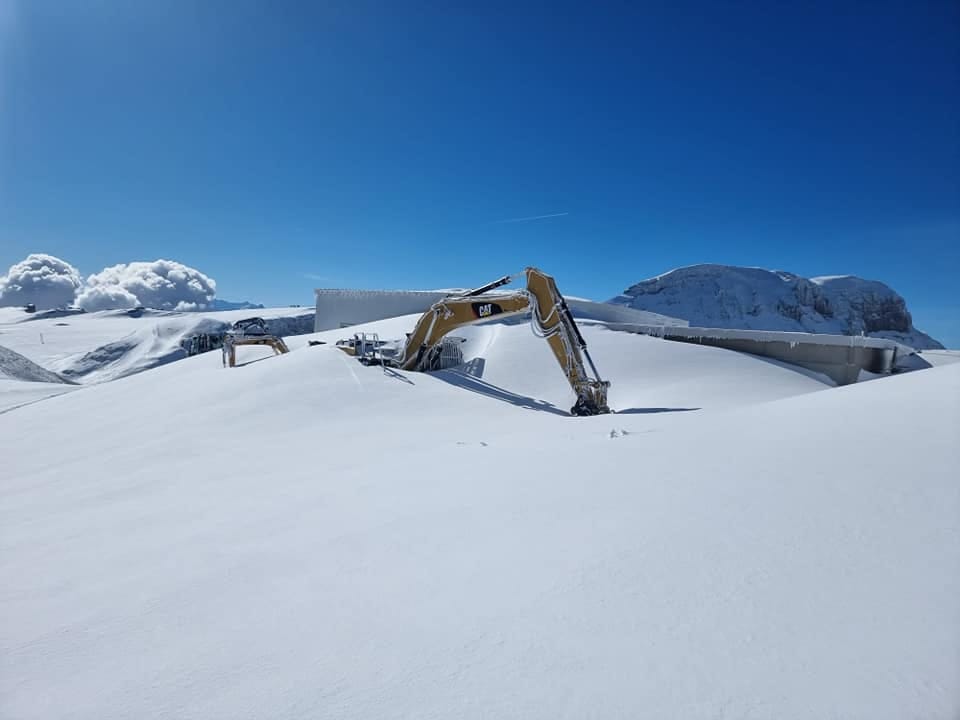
469,381
469,376
651,411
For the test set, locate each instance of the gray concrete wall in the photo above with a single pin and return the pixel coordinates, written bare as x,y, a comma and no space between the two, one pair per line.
342,308
839,357
605,312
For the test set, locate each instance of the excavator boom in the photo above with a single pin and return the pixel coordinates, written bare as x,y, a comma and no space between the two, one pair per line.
452,313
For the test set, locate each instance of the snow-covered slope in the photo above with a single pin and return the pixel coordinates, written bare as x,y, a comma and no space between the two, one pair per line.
101,346
22,381
724,296
14,366
305,537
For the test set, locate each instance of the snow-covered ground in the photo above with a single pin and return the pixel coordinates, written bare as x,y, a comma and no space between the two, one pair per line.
16,393
102,346
303,536
941,357
22,381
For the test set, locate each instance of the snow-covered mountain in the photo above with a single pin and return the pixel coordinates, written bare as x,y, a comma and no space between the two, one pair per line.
725,296
218,304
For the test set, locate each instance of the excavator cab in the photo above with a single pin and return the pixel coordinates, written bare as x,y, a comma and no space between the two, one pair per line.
250,326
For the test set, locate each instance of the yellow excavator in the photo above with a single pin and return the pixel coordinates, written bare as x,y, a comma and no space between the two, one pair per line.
251,331
550,318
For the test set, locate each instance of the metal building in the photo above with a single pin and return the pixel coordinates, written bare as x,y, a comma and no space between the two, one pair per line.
337,308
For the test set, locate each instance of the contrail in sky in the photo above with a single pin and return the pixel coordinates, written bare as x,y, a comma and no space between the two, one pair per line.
527,219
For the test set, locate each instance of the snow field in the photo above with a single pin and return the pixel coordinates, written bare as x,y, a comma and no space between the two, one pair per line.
303,536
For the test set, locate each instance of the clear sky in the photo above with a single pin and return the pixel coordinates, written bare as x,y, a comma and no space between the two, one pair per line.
279,146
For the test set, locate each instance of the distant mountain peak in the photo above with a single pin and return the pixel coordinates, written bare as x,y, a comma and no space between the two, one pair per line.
219,304
727,296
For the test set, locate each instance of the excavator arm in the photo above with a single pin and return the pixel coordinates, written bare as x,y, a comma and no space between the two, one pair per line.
550,317
552,320
250,331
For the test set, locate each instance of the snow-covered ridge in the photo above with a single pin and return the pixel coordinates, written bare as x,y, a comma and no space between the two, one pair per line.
14,366
725,296
22,381
218,304
106,345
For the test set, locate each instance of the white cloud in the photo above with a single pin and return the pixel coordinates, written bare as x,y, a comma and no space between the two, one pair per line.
161,284
107,297
44,280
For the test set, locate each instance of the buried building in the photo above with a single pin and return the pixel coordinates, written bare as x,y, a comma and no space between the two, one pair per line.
343,308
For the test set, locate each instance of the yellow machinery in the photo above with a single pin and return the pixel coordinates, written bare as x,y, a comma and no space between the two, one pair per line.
252,331
550,318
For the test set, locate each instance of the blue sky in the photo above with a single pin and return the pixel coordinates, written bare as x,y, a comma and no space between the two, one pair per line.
279,146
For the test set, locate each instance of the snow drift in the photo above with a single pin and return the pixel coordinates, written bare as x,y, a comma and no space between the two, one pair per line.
722,296
23,381
44,280
14,366
161,341
161,284
306,537
101,346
